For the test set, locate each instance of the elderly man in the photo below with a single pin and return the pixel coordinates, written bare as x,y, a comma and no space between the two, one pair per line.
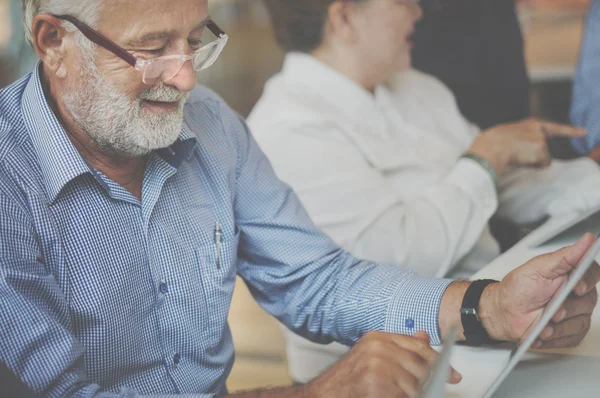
130,199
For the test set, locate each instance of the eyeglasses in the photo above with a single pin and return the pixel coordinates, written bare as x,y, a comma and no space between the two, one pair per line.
160,68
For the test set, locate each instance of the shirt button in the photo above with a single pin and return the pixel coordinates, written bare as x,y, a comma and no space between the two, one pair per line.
176,358
409,323
163,288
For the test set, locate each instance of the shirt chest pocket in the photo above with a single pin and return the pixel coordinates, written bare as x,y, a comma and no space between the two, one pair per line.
218,270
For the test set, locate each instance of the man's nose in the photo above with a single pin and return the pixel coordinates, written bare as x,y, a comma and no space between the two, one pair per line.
185,79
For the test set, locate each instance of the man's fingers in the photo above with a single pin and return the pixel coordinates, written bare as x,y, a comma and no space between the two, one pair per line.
562,261
406,352
454,377
416,365
579,249
575,306
424,336
429,355
418,346
589,281
407,383
571,327
561,130
563,342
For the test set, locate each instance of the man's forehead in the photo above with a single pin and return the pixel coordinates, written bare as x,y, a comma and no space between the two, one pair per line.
132,17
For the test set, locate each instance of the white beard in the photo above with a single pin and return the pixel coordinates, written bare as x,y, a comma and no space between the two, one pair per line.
119,125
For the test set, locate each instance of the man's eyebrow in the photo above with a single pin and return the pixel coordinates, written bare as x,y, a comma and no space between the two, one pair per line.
156,36
148,38
203,23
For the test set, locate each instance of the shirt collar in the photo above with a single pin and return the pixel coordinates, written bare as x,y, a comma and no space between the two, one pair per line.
181,149
309,74
59,160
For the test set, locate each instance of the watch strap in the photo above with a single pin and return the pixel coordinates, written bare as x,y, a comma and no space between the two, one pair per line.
475,333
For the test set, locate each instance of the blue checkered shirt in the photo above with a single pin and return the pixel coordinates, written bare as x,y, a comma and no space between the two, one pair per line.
585,109
101,293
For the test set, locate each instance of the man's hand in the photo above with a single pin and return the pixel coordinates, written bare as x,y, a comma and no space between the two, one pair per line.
510,309
380,365
522,144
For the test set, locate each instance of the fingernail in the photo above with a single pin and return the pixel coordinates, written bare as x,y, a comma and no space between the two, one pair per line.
547,332
582,287
537,344
561,315
456,377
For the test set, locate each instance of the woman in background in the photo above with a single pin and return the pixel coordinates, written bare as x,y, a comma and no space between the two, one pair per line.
382,158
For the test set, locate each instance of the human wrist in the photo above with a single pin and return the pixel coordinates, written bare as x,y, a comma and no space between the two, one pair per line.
491,314
487,147
449,313
484,164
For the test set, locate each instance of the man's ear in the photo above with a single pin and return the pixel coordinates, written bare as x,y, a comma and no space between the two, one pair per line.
48,42
340,21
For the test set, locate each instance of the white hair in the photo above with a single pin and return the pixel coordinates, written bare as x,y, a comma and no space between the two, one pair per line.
85,10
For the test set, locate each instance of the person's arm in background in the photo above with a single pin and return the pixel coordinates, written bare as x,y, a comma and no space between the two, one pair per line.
585,109
531,184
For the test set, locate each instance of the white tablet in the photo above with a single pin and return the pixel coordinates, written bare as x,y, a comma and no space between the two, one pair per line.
436,386
551,308
563,223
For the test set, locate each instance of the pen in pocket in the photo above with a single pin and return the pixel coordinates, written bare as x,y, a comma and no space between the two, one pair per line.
218,239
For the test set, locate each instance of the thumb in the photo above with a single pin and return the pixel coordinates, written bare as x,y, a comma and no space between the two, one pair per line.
422,335
563,261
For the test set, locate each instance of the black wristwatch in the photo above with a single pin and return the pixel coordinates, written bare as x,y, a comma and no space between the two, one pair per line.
475,333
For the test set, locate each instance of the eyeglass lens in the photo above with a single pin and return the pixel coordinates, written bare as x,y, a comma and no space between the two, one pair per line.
166,68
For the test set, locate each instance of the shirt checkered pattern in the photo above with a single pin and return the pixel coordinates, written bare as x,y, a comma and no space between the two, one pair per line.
585,111
102,294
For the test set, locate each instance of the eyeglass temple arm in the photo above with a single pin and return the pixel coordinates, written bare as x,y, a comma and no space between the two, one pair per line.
100,40
214,28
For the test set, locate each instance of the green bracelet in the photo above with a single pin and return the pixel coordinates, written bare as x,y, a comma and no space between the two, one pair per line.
483,163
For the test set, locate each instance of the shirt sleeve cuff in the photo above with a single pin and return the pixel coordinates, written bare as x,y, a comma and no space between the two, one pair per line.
476,182
416,306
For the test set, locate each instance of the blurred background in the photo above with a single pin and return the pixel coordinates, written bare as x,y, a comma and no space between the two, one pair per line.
552,30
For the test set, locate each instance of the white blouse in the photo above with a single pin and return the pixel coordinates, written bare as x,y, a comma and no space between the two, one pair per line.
381,175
